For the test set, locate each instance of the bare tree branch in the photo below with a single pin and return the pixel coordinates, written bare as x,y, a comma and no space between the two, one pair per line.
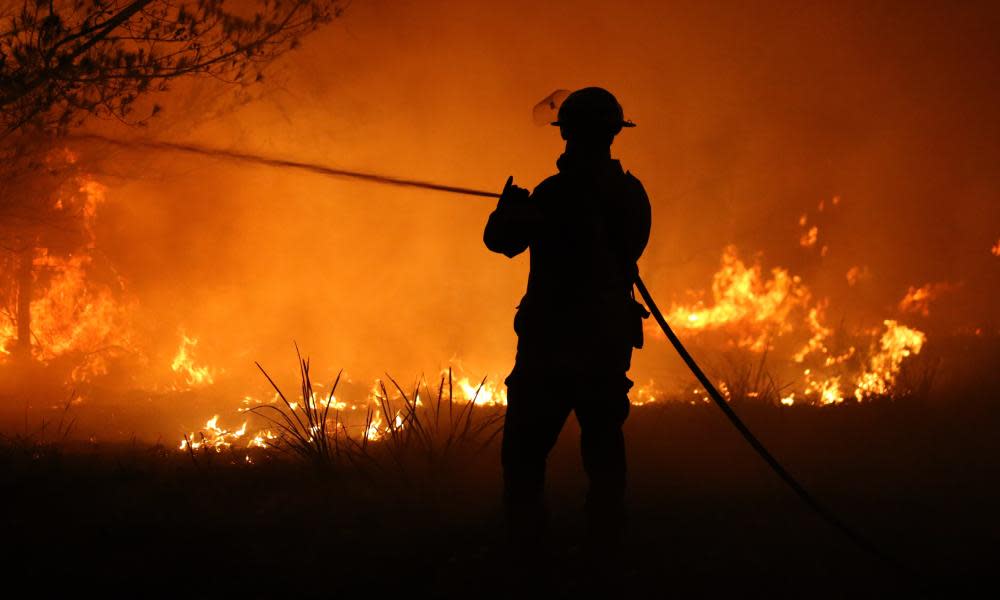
62,62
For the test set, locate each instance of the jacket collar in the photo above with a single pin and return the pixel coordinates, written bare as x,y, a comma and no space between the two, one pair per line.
572,165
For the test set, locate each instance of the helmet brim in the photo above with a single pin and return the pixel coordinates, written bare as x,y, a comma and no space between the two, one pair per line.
558,124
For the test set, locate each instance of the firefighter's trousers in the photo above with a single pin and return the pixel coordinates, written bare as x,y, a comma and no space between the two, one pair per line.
537,409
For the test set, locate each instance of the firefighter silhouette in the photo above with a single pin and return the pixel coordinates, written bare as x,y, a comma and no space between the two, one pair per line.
585,227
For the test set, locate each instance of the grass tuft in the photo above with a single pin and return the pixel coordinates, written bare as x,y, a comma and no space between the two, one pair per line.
405,432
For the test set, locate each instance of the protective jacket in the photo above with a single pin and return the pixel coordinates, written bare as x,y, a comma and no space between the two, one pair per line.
585,227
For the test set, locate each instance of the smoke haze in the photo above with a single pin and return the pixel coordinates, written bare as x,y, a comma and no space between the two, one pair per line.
749,115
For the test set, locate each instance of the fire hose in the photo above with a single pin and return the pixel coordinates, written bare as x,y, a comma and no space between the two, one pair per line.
807,497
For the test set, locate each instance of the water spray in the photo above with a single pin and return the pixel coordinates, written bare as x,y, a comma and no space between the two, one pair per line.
282,163
807,497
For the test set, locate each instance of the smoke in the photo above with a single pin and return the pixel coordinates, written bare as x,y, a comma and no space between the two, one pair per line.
748,117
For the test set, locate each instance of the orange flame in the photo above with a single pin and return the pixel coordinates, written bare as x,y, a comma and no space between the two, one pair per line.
214,437
184,364
896,344
74,314
808,239
918,299
754,310
7,334
488,393
742,296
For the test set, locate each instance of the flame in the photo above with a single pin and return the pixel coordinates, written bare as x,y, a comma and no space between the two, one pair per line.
826,391
487,393
995,250
753,310
214,437
896,344
184,364
810,236
835,201
817,342
918,299
878,376
71,313
808,239
646,394
7,334
742,296
375,427
74,316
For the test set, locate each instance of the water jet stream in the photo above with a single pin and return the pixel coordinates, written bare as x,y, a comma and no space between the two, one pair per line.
282,163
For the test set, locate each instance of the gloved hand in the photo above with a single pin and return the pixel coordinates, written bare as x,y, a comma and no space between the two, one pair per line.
514,223
513,195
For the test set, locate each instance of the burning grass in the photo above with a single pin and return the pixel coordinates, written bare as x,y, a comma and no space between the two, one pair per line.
412,435
776,315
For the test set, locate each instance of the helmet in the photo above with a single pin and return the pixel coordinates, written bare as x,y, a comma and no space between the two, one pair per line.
592,108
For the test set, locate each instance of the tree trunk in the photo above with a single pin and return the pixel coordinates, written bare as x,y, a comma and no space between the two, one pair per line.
25,285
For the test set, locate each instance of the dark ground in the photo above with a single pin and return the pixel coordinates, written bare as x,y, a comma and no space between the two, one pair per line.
708,518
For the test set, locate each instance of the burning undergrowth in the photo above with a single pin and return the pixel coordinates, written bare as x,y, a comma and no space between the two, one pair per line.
777,339
768,335
776,315
393,427
63,303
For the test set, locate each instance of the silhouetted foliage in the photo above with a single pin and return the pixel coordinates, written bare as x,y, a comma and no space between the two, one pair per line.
62,61
32,173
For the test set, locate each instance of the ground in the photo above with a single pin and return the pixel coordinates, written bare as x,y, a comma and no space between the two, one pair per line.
707,517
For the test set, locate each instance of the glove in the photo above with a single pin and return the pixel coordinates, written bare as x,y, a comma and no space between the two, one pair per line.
512,195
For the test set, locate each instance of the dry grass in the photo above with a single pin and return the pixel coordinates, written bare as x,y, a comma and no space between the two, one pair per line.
405,433
46,437
306,433
750,381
